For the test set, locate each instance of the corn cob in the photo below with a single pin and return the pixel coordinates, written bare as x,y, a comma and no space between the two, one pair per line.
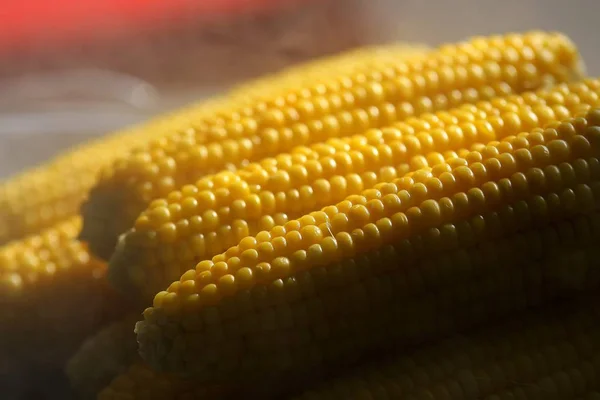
204,219
551,356
102,357
44,280
406,261
340,106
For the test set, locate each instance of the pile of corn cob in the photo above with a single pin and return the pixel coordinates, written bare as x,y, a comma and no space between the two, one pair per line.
397,222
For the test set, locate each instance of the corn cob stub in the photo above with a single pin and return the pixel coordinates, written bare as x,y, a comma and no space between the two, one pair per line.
515,225
217,212
552,356
44,280
340,106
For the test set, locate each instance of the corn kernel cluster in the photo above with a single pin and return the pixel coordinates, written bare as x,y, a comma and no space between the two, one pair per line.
393,222
220,210
339,105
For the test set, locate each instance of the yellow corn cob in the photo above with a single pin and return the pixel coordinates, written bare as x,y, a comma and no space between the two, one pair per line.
338,106
554,356
415,258
52,295
102,357
217,212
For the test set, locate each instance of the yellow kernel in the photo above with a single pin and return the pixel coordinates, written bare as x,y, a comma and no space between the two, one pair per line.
143,223
159,299
203,278
359,215
167,233
159,216
262,271
206,200
227,284
249,242
281,268
244,277
249,257
210,294
311,234
219,269
187,288
293,240
204,265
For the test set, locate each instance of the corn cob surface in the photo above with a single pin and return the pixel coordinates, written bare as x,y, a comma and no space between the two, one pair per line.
102,357
338,106
551,354
510,225
202,220
282,84
52,295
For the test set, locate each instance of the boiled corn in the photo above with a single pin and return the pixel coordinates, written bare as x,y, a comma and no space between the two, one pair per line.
513,224
44,280
554,356
282,84
207,218
339,106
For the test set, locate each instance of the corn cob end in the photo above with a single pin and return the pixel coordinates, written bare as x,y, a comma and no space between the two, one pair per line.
125,274
104,215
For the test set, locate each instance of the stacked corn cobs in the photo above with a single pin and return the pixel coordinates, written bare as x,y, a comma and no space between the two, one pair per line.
392,223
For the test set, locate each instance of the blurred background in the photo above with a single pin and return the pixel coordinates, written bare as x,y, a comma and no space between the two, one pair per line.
75,69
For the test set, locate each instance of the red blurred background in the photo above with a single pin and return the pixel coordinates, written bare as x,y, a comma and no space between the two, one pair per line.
28,21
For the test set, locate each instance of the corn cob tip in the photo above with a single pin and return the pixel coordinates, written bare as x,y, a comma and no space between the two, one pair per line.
124,272
100,222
